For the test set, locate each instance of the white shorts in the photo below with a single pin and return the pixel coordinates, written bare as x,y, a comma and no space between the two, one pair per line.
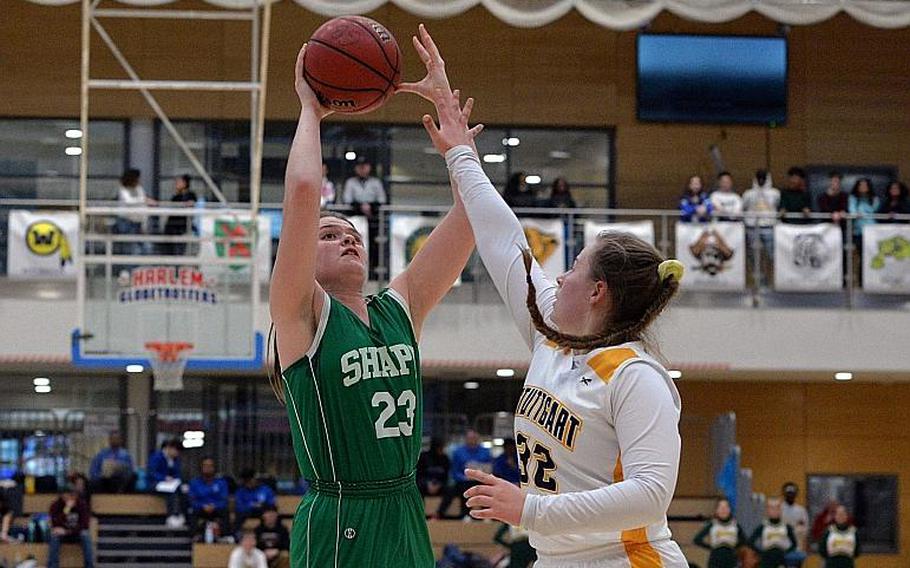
661,554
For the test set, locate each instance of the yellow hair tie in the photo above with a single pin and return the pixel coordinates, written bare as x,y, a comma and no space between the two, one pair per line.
672,268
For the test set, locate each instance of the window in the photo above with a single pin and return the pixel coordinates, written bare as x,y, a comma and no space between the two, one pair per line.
871,500
39,158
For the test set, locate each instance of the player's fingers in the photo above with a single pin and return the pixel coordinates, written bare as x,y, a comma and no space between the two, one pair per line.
481,476
421,50
479,490
468,108
430,44
431,128
480,501
298,66
483,514
475,131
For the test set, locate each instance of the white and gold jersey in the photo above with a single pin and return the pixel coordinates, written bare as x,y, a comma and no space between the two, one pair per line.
597,433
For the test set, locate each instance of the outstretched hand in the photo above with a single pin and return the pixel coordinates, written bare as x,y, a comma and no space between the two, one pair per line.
453,127
308,99
436,77
494,498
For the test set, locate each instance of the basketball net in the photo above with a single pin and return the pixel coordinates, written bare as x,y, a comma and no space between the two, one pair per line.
168,362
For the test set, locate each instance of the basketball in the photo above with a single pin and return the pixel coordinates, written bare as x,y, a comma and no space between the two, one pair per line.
353,64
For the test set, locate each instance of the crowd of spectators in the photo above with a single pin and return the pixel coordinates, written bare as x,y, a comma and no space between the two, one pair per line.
783,538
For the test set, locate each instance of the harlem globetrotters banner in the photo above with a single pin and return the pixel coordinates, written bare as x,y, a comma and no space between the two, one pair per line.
713,254
236,230
808,257
886,258
42,244
546,237
644,230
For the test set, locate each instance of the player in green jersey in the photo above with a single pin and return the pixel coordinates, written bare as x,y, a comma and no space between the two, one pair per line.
351,378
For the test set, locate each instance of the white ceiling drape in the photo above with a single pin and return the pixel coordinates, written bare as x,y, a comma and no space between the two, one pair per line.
613,14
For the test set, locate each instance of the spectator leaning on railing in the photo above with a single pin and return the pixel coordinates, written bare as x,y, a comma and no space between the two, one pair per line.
727,204
760,205
863,203
834,200
560,195
795,198
896,202
694,204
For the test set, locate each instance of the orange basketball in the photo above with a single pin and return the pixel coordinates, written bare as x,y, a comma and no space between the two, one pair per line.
353,64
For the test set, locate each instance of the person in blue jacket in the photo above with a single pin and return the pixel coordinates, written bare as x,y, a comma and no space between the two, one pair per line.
209,501
111,470
251,498
166,478
694,204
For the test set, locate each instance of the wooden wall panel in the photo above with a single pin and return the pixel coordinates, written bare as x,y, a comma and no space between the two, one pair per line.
849,90
789,430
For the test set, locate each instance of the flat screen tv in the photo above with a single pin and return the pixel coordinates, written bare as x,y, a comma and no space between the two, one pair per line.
712,79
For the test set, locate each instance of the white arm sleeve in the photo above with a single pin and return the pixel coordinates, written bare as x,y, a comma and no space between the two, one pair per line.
645,413
500,240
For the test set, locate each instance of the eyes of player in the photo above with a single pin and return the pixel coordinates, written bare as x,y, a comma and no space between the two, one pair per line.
334,235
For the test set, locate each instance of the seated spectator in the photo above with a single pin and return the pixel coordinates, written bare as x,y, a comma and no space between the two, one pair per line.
166,477
506,465
560,195
774,538
70,518
433,469
795,198
111,470
694,204
727,204
722,536
823,520
518,193
251,498
896,202
246,555
179,224
760,205
521,553
208,501
839,545
471,455
834,200
6,518
272,537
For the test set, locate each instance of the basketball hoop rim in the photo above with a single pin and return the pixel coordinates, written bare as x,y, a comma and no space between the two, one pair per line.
168,351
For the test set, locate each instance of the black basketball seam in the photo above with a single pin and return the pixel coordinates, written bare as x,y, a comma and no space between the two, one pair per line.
307,75
371,103
352,58
376,39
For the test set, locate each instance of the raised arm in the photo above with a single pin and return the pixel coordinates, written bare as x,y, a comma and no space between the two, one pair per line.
292,300
497,231
442,258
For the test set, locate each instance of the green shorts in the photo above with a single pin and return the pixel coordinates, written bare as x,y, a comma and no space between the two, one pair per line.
372,524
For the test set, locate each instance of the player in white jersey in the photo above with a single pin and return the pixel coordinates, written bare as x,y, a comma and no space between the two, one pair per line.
597,422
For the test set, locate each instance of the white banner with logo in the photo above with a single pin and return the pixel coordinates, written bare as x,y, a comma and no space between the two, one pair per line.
644,230
713,254
886,258
808,257
42,244
408,235
234,239
547,240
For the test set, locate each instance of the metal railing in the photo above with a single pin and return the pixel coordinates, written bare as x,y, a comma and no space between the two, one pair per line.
475,282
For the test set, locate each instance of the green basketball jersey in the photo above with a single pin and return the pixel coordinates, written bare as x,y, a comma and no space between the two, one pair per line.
355,400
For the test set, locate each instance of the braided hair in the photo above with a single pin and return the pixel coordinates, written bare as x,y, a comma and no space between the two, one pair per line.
639,292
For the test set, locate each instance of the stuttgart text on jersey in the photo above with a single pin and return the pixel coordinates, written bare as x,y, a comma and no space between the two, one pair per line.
548,412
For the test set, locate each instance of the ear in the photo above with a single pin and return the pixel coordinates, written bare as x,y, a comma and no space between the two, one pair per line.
600,295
